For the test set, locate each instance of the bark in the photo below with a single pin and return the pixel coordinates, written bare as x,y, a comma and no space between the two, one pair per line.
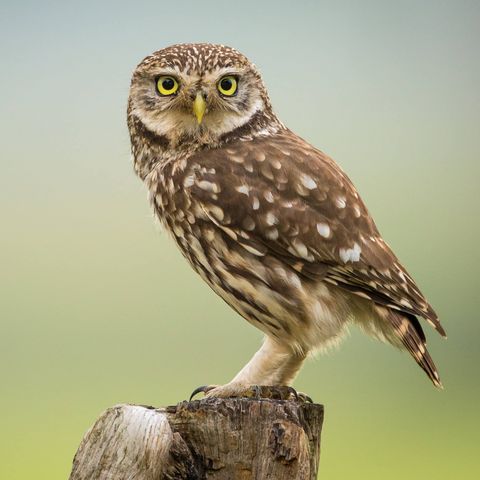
236,438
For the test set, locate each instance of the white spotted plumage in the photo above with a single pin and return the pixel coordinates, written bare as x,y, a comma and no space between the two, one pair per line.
272,224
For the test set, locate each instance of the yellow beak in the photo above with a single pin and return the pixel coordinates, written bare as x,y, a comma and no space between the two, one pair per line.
199,107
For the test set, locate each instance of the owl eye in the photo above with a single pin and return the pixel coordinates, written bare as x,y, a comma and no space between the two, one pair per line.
228,85
167,85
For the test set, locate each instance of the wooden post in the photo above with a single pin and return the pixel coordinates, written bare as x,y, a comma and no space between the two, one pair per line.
220,439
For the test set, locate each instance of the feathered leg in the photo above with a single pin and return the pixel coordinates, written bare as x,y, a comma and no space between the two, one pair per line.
273,365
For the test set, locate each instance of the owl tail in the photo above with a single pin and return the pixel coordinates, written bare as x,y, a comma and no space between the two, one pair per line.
410,332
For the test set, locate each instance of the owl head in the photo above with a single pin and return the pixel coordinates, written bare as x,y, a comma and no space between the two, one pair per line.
199,92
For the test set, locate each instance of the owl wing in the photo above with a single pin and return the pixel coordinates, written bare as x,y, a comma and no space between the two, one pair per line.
278,195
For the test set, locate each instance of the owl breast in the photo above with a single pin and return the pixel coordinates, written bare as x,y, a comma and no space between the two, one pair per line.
260,287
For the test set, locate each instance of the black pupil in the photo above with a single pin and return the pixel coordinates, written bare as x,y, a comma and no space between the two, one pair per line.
168,83
226,84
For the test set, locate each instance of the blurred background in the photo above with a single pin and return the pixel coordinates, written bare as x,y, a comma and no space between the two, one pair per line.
97,306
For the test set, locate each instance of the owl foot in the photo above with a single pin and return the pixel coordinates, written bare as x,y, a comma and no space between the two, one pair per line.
236,390
303,397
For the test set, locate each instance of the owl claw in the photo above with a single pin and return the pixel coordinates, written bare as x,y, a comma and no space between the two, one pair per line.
300,396
304,397
202,389
276,392
293,392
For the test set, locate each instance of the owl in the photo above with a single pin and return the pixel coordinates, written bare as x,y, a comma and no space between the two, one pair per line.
272,224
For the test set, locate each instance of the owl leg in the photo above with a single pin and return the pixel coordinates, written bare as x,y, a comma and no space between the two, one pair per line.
269,373
273,364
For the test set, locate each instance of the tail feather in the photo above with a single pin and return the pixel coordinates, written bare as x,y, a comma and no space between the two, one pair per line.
408,329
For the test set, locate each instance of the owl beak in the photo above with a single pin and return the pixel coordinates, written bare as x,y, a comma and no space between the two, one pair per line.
199,107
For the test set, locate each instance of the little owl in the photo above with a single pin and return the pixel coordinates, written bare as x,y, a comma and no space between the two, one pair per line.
272,224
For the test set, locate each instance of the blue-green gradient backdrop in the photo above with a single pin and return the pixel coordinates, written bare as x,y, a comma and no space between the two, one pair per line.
97,307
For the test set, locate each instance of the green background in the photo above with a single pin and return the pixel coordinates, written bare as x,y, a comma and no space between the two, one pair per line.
97,307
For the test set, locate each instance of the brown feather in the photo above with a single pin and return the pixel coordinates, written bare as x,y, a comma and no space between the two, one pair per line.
308,190
412,337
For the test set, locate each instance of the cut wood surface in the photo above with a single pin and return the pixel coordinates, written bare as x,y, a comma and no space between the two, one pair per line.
236,438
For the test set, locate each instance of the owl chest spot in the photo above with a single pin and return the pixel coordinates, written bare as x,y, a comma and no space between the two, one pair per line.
168,197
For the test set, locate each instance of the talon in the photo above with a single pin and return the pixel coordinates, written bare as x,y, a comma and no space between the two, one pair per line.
202,389
293,392
304,397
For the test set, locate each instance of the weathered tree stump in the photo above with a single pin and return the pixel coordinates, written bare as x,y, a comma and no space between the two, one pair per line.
234,439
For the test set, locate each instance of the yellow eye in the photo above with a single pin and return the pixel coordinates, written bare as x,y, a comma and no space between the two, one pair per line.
228,85
167,85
